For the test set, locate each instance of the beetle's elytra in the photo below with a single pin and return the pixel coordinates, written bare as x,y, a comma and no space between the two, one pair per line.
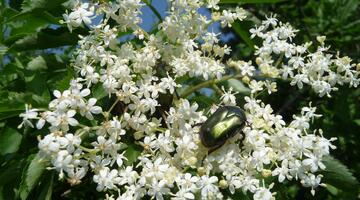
226,122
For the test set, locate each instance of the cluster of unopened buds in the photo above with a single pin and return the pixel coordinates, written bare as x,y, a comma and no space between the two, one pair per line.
142,138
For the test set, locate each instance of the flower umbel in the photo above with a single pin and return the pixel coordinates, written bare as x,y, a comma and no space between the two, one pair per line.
142,137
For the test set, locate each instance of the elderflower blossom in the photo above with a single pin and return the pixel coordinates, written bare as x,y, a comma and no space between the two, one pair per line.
320,69
145,141
82,13
27,116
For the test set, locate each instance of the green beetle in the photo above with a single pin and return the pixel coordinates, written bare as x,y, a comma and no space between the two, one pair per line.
226,122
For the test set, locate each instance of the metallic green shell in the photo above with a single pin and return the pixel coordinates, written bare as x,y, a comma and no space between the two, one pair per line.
226,122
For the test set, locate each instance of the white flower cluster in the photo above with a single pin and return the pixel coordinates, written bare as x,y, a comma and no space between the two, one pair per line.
81,13
318,69
145,118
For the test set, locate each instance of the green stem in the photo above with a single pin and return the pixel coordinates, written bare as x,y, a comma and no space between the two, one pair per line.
217,89
146,34
258,94
113,105
206,84
154,10
89,151
279,60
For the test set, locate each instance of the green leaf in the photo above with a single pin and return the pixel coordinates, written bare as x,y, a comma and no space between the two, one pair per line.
11,113
9,169
37,63
203,101
238,86
64,83
31,175
47,38
47,187
357,121
6,13
239,30
251,1
29,5
10,174
3,50
333,190
338,175
36,83
35,77
24,24
132,153
13,103
10,140
99,92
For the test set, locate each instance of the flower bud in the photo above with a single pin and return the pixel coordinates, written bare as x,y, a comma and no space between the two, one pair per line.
358,67
223,184
258,60
192,160
73,181
201,171
138,135
246,79
321,39
266,173
215,16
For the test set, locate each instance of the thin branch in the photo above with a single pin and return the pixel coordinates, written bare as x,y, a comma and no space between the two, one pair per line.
281,57
206,84
154,10
217,89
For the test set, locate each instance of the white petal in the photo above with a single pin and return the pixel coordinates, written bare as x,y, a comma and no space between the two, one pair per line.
189,195
57,93
89,116
71,113
85,92
40,123
96,110
213,179
92,101
73,122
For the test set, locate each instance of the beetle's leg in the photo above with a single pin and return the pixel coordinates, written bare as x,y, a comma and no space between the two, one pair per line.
199,124
242,135
247,123
215,148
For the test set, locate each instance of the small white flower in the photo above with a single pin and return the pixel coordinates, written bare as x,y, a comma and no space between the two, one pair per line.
80,14
128,176
263,193
90,109
208,186
106,179
256,86
182,194
63,120
187,181
168,84
299,79
282,172
313,162
228,98
213,4
62,161
158,189
270,86
312,181
29,114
